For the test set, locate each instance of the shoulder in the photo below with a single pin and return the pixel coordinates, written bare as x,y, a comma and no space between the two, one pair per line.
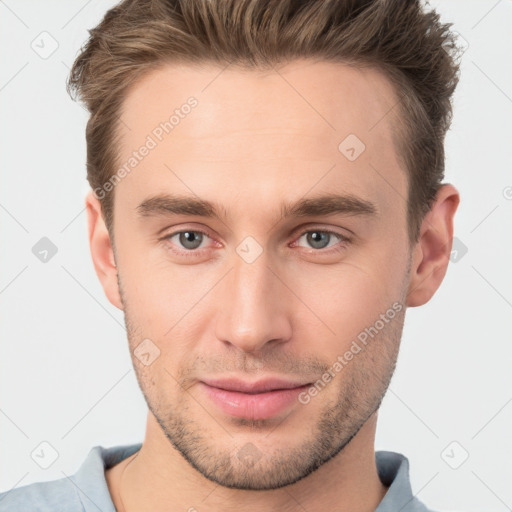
52,496
84,491
393,470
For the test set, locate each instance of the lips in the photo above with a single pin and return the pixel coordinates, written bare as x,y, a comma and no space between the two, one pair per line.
257,400
260,386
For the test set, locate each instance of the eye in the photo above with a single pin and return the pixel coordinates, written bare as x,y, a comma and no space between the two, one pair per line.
189,240
321,239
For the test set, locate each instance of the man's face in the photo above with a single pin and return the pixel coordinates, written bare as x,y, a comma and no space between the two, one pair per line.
253,295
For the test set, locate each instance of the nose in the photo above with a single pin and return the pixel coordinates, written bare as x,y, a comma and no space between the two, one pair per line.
255,306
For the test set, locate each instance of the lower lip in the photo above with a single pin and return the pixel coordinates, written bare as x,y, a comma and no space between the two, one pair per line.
258,406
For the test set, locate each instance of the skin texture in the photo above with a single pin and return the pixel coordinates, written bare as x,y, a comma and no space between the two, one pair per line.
254,141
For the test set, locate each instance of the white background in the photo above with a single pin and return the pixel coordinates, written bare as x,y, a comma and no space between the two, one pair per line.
66,376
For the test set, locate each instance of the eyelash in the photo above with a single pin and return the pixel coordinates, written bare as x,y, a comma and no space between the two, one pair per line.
196,252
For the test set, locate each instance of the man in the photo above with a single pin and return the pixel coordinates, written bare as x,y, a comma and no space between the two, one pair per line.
266,202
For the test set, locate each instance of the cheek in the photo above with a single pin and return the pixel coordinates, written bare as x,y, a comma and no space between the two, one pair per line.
169,307
347,298
156,294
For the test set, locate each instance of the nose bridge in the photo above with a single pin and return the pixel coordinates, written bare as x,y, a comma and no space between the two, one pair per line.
253,312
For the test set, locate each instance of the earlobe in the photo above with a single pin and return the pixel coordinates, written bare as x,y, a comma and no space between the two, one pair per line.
102,252
431,254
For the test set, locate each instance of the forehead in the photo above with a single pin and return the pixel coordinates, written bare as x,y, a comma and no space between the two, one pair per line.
262,131
331,97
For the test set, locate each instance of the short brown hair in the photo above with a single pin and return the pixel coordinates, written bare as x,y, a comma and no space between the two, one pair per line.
400,38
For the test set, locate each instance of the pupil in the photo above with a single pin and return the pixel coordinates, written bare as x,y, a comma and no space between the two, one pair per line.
190,239
318,239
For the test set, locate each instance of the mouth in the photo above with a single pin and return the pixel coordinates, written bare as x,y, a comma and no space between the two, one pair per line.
259,400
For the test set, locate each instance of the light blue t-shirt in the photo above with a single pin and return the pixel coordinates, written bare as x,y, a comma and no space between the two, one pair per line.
87,490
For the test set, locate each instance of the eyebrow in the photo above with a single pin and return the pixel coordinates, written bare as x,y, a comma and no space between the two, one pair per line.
324,205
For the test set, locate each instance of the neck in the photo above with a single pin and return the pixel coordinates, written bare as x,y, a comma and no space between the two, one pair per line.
158,477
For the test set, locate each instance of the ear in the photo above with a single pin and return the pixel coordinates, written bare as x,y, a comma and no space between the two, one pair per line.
431,254
101,250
